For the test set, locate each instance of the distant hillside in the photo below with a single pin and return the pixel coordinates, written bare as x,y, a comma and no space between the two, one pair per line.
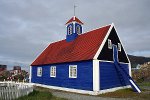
135,60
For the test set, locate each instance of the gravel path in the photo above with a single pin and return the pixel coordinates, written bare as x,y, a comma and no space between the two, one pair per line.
74,96
145,87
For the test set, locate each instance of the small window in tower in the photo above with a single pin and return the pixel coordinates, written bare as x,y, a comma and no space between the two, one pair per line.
119,47
69,30
53,71
109,44
78,29
39,71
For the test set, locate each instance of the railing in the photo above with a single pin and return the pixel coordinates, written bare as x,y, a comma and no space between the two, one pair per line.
12,90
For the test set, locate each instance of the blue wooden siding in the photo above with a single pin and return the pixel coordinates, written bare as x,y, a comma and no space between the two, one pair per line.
83,81
110,77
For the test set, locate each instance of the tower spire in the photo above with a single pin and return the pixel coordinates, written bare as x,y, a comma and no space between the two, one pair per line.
74,9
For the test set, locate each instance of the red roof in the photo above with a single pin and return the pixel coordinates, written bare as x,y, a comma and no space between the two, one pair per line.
74,18
84,47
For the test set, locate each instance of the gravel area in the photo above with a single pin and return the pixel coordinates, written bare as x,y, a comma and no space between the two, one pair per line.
145,87
74,96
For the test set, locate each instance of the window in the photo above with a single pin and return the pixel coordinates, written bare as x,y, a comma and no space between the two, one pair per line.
78,29
73,71
53,71
39,71
69,30
109,44
119,47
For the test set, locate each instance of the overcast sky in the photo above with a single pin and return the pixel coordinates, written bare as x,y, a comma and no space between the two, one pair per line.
28,26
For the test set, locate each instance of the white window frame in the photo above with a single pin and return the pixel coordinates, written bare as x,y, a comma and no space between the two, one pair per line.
39,71
71,68
70,28
53,71
109,44
119,46
78,29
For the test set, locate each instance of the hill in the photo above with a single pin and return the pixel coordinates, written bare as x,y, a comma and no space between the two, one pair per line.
135,60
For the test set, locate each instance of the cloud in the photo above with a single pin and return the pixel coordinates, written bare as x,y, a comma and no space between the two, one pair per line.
28,26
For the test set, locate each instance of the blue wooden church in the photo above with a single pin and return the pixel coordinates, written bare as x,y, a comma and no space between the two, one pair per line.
91,63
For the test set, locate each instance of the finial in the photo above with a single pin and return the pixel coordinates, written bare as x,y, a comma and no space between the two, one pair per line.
74,9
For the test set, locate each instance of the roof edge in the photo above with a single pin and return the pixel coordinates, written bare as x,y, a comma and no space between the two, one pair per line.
122,45
60,62
103,43
65,39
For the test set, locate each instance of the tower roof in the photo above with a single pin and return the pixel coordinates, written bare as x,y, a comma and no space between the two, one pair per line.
74,19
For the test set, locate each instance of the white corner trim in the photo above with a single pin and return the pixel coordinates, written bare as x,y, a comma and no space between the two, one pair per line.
30,74
103,43
96,82
114,89
130,72
67,89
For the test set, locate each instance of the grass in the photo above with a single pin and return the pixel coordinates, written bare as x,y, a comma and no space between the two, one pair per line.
128,93
144,84
40,95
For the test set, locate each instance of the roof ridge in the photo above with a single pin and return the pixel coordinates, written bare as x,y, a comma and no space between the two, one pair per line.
83,33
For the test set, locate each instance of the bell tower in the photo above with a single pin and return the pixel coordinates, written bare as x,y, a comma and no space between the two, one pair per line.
74,28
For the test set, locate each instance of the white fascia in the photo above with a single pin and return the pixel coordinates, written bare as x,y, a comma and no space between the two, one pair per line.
30,74
122,45
103,43
125,54
96,82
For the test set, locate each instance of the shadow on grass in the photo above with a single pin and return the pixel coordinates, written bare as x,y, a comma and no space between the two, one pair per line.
40,95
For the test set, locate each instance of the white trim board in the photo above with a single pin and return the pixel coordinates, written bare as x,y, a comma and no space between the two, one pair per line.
112,61
103,43
113,89
81,91
130,73
96,76
121,44
67,89
30,74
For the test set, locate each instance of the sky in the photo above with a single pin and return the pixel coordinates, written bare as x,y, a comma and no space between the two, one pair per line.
28,26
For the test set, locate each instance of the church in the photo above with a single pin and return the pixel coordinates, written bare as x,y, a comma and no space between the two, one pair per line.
92,63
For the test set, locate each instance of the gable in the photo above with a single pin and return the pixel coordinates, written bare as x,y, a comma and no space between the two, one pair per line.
84,47
107,54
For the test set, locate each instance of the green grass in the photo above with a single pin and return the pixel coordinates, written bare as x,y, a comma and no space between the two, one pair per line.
128,93
144,84
40,95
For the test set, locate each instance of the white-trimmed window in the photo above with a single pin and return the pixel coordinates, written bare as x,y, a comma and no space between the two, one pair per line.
53,71
72,71
78,29
39,71
119,47
69,29
109,44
